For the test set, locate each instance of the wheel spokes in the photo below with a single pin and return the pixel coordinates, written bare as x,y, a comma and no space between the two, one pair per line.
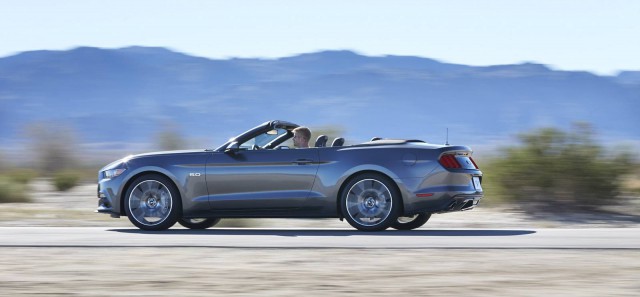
138,212
150,202
369,202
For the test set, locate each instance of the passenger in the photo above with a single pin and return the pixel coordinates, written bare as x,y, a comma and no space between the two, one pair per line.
301,136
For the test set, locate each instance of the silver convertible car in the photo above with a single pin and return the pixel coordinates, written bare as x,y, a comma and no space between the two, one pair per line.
373,185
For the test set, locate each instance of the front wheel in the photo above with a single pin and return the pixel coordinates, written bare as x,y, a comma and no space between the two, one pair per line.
199,223
412,222
152,203
370,202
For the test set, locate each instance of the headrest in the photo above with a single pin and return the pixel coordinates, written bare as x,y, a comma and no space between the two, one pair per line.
321,141
338,142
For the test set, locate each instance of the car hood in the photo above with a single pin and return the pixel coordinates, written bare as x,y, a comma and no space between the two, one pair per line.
166,153
120,162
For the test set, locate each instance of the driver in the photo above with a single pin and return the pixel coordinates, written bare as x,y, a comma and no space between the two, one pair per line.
301,136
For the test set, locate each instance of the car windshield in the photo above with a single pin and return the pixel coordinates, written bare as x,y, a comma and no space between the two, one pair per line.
263,139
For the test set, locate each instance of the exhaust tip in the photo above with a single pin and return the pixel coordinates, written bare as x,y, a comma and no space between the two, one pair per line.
467,205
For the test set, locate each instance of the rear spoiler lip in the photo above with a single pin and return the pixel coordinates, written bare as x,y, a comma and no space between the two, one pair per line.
458,149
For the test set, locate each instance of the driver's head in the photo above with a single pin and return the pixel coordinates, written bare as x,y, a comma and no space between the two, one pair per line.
301,136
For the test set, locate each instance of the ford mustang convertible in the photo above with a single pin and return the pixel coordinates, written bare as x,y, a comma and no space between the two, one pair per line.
374,185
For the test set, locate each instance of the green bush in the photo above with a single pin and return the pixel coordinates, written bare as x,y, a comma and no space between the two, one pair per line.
65,180
22,175
10,191
558,170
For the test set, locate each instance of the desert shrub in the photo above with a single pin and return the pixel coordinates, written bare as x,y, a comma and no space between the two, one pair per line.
65,180
11,191
631,184
88,173
3,163
54,146
22,175
493,191
558,169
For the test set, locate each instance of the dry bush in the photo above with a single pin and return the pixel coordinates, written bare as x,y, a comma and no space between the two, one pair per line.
11,191
66,180
558,170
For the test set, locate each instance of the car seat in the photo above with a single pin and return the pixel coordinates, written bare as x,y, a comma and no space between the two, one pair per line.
338,142
321,141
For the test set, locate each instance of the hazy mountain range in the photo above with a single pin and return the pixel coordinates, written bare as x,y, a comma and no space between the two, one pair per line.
126,95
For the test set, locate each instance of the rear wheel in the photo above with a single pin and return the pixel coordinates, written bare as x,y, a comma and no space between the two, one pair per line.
152,203
198,223
370,202
412,222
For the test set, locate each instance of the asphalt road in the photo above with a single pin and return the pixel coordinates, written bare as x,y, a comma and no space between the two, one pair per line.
595,238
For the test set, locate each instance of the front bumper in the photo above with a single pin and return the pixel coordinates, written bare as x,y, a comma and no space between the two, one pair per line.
106,201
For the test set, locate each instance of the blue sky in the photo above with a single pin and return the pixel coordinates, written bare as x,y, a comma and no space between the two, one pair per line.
597,36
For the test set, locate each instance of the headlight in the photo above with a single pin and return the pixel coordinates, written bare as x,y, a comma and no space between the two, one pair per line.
111,173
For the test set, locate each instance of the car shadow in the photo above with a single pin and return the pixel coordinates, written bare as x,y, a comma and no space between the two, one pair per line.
330,232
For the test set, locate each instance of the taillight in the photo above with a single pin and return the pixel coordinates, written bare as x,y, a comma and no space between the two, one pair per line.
474,163
449,161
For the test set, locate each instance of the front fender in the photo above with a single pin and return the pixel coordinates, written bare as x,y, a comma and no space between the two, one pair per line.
131,175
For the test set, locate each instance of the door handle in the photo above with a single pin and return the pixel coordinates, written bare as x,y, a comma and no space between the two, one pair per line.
303,161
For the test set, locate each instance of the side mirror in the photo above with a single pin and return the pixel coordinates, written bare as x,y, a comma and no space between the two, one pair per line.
232,148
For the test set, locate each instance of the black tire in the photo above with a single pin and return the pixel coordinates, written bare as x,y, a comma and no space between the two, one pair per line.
198,224
370,202
410,223
154,194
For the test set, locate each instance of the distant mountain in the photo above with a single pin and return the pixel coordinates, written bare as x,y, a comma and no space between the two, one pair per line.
629,77
126,95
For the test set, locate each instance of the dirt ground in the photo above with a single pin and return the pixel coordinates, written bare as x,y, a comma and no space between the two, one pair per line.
50,271
312,272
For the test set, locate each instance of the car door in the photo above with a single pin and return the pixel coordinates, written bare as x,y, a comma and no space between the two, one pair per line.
261,180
